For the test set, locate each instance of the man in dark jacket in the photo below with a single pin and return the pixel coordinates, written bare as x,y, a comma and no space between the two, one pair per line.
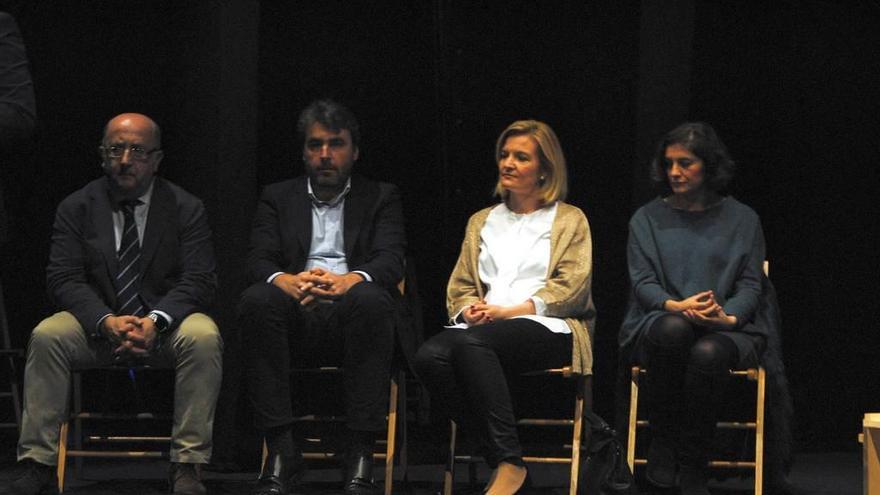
327,251
131,269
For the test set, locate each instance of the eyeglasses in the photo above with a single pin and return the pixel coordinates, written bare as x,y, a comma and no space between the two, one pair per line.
136,152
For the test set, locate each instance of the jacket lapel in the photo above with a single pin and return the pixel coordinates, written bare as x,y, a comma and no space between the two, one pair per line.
352,217
102,225
302,216
162,210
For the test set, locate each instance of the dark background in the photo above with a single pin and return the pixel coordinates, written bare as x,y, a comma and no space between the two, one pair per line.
791,86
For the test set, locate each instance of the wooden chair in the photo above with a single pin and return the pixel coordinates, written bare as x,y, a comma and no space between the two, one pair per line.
78,416
756,375
12,372
583,401
315,448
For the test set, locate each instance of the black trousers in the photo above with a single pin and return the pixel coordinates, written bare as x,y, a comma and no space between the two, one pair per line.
466,372
687,377
356,331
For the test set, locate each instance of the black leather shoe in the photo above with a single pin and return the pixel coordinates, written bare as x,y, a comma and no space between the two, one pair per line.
280,474
694,481
358,474
186,479
778,484
662,461
33,478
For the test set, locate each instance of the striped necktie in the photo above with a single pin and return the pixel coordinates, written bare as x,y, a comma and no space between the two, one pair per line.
128,280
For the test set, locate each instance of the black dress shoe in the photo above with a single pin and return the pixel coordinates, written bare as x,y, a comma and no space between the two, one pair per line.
186,479
662,462
280,474
778,484
358,474
33,478
694,481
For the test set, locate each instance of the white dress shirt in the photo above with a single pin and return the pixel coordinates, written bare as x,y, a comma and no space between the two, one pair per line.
514,260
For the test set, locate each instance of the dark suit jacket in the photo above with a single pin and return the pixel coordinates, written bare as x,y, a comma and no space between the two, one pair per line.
177,257
374,235
17,109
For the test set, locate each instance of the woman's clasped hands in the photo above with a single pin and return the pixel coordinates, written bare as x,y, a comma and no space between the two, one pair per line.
702,309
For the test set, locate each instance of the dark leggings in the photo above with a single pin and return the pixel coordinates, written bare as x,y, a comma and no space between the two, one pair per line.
466,372
687,376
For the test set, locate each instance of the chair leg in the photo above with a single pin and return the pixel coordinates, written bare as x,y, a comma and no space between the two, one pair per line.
77,422
449,475
62,456
13,393
13,372
576,438
16,397
759,431
265,457
402,403
392,434
633,415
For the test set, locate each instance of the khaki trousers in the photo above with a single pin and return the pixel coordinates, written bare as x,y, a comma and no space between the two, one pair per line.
59,344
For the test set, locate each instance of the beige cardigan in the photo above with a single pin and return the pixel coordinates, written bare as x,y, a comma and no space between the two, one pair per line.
568,289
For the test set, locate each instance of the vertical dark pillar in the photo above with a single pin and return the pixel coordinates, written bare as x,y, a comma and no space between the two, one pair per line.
219,68
235,187
235,194
664,88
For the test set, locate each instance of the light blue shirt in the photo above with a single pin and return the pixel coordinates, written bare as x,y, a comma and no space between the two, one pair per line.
327,248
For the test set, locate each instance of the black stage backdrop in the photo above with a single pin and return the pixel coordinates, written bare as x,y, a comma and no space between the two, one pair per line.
791,87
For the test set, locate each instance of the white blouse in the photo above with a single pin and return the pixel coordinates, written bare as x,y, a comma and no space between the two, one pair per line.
514,259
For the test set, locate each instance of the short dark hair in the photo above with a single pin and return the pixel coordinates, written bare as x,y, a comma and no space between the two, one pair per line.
700,139
330,114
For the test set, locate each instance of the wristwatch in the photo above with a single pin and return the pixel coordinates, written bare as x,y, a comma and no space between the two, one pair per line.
160,321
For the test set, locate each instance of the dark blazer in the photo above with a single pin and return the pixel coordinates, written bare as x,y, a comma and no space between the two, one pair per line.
177,257
374,235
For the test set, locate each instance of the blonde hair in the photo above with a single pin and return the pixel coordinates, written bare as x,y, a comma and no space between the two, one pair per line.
554,187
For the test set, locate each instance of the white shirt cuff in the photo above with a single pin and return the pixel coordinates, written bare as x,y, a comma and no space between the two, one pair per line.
540,305
272,277
454,319
366,275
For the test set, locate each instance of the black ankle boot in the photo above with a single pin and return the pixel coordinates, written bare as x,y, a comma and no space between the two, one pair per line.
694,481
662,460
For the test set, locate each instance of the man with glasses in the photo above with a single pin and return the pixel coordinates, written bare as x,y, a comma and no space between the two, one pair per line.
327,251
131,267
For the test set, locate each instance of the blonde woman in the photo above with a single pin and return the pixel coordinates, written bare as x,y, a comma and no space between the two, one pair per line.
518,299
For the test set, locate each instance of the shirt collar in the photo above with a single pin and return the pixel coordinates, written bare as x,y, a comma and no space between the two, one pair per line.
146,197
333,202
142,200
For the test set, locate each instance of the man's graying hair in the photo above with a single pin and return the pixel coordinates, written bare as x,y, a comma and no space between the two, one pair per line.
332,115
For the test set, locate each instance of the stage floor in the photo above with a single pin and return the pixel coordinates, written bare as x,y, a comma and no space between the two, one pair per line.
813,474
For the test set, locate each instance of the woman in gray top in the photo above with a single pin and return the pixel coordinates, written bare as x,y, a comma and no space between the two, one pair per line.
695,260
